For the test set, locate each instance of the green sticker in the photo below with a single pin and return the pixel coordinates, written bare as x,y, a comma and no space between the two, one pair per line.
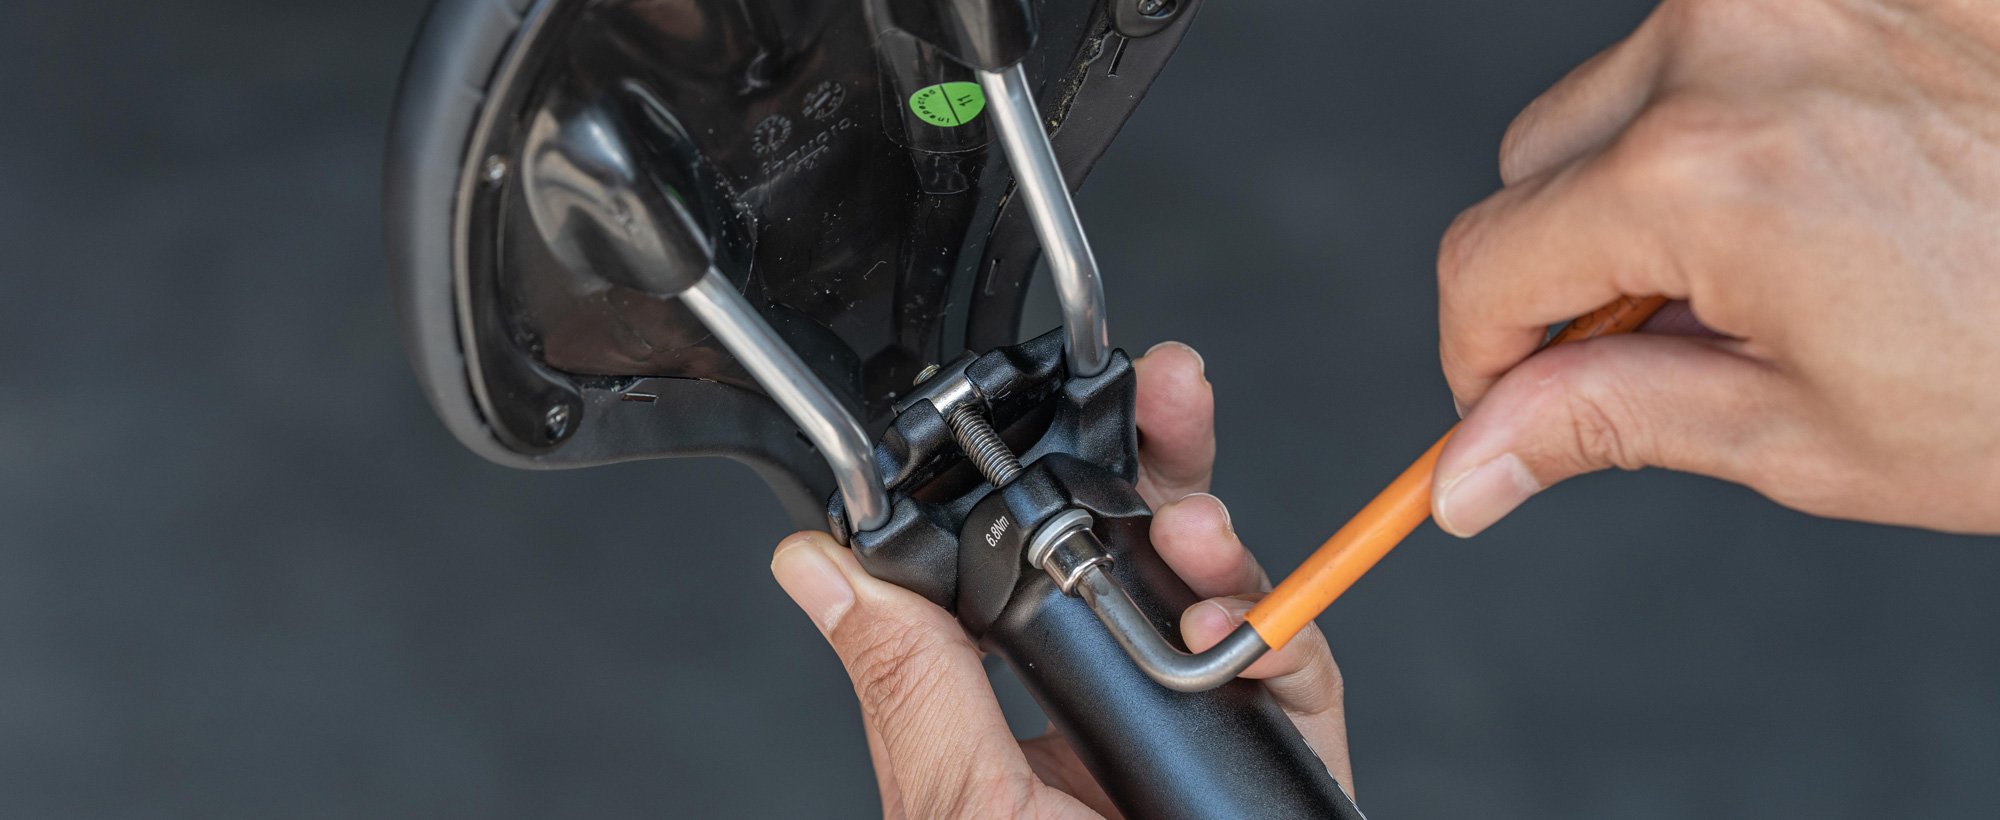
948,105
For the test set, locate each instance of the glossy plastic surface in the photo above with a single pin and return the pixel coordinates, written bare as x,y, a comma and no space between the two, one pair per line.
874,242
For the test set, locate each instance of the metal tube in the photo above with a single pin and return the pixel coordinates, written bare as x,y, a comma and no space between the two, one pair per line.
1054,215
1160,660
825,421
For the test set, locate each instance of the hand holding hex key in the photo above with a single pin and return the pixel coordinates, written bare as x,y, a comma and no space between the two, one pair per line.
1338,563
1398,510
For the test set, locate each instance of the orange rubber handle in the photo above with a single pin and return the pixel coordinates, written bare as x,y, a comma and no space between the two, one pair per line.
1398,510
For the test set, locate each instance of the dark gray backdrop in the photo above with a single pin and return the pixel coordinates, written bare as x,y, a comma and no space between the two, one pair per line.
243,572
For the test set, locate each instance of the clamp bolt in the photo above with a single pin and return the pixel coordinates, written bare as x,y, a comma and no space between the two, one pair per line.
983,445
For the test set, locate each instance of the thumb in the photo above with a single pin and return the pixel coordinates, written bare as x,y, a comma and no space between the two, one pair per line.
1623,401
924,694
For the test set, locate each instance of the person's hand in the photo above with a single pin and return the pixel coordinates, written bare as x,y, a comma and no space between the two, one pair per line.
1819,182
940,745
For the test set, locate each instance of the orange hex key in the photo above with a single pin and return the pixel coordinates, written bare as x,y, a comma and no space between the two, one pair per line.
1398,510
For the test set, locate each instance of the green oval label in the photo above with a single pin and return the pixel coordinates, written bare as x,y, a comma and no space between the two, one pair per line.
948,105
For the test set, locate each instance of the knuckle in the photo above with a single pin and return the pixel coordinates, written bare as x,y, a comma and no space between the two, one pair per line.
1675,150
1599,441
894,663
984,794
1015,793
1604,424
1699,153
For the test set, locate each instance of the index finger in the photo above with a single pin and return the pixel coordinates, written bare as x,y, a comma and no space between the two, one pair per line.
1545,250
1175,412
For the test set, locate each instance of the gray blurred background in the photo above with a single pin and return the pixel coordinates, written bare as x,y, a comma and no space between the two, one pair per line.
245,573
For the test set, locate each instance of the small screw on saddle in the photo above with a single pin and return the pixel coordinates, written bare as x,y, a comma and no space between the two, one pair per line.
555,422
495,171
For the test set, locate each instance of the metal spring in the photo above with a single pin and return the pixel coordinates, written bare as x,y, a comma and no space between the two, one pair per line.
981,444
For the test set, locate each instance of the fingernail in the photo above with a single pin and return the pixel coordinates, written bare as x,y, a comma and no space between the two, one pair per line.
1232,608
1474,500
1214,617
1227,523
1200,363
815,584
